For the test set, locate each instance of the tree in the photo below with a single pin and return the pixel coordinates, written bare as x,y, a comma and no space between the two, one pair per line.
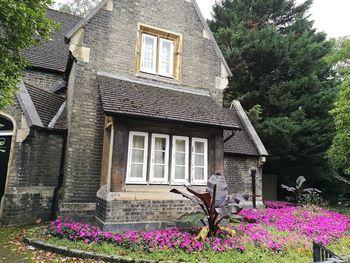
23,24
282,79
79,7
339,153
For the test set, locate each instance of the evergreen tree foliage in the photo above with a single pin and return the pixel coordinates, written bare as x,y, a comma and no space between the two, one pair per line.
79,7
339,153
23,24
282,80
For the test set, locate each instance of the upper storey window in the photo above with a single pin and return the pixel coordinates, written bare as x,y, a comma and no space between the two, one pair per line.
158,53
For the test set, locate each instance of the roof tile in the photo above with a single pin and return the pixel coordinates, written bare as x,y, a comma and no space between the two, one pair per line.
125,97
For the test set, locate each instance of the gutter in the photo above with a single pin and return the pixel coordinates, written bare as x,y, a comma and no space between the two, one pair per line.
233,132
55,198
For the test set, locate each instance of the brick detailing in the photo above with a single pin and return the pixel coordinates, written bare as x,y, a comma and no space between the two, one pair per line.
47,81
142,211
237,171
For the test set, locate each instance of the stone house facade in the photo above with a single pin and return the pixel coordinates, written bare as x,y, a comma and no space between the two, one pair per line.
119,108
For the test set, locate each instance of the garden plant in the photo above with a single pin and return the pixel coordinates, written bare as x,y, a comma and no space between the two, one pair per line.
216,204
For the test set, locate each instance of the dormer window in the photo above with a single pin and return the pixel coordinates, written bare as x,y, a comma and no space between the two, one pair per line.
158,53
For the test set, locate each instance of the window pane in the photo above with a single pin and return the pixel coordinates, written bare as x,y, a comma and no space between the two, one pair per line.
138,142
180,158
159,157
148,53
160,144
136,170
180,146
199,174
137,156
199,147
199,160
180,172
159,171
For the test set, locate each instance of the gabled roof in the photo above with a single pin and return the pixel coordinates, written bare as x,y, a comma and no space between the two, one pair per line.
128,98
240,143
246,141
42,108
102,4
53,54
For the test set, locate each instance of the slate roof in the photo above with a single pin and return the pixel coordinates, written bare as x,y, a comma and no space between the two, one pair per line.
53,55
241,142
124,97
46,104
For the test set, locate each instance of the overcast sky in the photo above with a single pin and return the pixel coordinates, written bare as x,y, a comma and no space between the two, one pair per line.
330,16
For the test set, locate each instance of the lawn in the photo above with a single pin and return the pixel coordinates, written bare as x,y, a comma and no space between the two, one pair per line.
280,233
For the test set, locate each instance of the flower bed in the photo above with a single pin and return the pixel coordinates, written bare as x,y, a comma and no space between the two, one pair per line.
280,231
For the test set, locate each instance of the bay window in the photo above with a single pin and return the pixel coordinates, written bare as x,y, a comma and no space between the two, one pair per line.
180,160
199,158
159,158
137,157
184,168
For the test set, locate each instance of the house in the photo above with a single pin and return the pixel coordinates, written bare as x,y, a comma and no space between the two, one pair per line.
119,108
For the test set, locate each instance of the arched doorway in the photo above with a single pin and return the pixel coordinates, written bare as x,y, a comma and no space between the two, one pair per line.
6,132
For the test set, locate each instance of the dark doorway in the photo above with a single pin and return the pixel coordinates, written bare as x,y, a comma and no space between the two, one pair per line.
6,131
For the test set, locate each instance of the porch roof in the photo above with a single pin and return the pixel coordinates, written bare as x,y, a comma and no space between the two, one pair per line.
137,99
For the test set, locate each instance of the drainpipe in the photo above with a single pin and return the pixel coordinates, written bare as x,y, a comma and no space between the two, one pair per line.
56,192
233,132
253,175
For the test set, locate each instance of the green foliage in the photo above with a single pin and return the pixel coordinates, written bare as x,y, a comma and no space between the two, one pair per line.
79,7
282,80
22,24
339,152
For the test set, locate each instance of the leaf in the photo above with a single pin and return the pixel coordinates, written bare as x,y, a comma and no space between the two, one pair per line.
203,233
300,181
289,189
190,197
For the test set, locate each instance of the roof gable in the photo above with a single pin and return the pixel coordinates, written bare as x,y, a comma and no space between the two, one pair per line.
103,4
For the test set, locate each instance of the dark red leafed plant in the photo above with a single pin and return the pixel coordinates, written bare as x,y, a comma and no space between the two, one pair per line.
299,191
216,204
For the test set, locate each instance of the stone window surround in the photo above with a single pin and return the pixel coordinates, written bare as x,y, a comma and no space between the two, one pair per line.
169,180
160,34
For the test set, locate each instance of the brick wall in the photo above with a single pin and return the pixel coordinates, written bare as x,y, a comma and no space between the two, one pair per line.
34,172
47,81
138,215
237,172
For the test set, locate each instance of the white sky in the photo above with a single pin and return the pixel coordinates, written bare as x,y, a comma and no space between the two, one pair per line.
330,16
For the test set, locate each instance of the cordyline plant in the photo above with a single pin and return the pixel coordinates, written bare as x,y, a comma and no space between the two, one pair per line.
216,203
299,191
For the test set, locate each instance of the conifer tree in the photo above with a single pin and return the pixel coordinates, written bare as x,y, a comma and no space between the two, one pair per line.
282,80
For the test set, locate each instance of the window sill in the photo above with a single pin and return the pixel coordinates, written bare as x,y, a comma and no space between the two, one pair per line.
151,76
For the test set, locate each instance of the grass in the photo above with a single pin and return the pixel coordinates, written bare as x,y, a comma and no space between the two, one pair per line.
10,246
251,254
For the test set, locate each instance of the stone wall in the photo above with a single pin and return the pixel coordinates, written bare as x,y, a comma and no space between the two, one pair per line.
237,172
200,62
33,174
47,81
140,214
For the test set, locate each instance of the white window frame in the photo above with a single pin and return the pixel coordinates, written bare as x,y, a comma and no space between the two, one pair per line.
175,181
204,181
171,73
164,180
155,41
134,180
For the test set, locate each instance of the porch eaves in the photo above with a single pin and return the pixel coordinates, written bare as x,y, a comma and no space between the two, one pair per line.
129,98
